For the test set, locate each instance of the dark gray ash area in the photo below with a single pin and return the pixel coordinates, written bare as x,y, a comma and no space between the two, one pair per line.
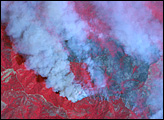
120,67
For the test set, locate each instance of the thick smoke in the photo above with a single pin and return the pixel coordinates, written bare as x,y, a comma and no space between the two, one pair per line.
37,30
134,26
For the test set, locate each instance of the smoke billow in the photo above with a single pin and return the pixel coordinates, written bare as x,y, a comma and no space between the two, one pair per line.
133,24
39,29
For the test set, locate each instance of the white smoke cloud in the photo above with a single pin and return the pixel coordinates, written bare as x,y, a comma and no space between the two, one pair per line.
28,25
134,26
38,30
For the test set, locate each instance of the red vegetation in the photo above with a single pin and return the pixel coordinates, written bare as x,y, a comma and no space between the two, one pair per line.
25,97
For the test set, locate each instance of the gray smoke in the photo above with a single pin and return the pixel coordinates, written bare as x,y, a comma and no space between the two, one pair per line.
38,30
134,26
